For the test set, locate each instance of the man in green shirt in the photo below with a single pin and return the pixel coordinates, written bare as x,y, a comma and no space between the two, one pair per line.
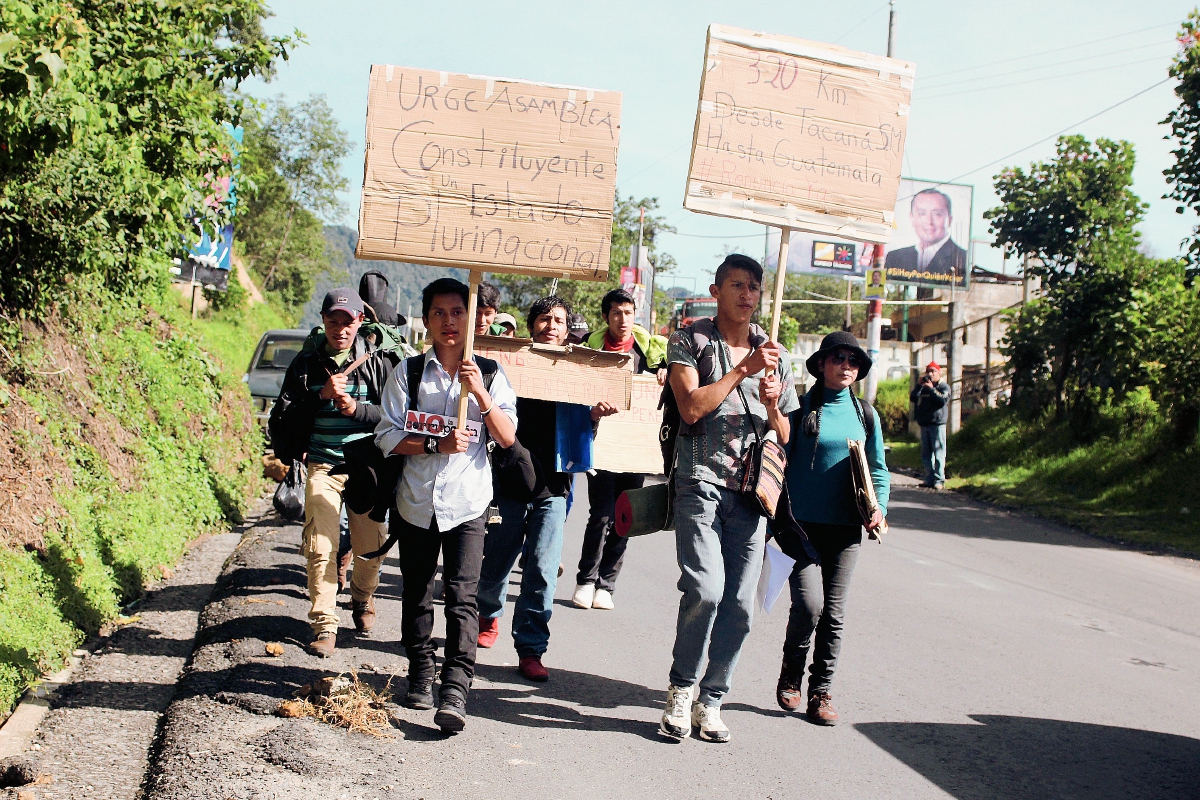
329,398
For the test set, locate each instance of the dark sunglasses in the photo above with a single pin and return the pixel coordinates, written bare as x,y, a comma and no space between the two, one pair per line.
837,359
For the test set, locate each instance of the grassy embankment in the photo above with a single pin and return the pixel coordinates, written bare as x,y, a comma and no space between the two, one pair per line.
125,433
1128,485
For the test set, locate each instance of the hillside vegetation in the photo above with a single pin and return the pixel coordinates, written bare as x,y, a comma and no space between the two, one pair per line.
122,437
125,431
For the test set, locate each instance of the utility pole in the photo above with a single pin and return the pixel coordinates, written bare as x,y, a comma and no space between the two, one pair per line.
891,27
875,309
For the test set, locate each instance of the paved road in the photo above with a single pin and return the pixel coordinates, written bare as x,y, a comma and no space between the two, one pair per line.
987,655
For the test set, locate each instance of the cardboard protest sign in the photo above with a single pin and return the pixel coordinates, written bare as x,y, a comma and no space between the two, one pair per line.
568,374
799,134
489,174
628,440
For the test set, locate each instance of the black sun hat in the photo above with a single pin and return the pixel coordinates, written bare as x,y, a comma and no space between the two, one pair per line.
832,342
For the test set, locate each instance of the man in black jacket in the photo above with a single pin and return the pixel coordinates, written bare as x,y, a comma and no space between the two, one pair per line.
932,397
329,398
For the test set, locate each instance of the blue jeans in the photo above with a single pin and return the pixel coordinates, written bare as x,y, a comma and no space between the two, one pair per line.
933,453
719,540
536,528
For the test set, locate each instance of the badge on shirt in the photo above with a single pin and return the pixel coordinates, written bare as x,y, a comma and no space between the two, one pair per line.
437,425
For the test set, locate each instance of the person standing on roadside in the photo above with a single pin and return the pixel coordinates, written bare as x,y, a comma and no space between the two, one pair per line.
443,494
932,399
729,381
603,550
531,525
822,496
330,397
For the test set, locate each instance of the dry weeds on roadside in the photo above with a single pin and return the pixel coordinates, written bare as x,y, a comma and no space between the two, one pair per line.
344,703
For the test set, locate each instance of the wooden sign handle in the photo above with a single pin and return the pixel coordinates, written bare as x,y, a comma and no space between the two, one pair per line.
469,344
785,235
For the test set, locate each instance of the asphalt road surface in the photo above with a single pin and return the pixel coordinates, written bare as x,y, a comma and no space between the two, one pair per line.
986,655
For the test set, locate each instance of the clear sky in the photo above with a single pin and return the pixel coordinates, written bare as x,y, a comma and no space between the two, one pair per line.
991,78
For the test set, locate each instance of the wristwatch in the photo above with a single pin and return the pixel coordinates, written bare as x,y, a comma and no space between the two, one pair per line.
431,445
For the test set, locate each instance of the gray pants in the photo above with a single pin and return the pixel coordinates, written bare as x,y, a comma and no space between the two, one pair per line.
933,453
719,539
819,601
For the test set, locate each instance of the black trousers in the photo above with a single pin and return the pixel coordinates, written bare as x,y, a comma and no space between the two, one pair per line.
819,601
461,548
603,550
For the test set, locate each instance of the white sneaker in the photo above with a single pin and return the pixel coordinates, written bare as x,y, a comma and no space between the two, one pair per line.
675,715
603,600
583,596
708,720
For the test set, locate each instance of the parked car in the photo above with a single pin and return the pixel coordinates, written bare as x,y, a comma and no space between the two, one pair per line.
274,353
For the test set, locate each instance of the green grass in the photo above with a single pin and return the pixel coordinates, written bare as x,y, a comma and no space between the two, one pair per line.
185,461
231,336
1131,488
904,453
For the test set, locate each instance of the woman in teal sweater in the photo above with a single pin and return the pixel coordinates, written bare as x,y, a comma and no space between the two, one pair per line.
822,498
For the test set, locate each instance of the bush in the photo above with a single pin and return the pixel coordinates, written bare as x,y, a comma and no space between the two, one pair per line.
891,403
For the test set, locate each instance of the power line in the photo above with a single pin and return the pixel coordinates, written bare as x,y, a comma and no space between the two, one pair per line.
1039,80
1058,133
656,163
859,24
1044,66
1048,52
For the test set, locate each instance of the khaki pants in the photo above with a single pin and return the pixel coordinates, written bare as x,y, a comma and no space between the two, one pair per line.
322,518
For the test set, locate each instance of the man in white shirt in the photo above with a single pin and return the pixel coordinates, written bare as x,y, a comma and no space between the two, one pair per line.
443,495
935,252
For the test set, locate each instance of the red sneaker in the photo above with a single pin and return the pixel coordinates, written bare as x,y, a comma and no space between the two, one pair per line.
489,629
531,667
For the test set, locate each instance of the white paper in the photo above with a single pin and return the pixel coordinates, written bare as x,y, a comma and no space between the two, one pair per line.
777,566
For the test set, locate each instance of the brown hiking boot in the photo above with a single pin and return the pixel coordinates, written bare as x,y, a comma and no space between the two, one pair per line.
364,615
324,645
343,569
820,709
787,691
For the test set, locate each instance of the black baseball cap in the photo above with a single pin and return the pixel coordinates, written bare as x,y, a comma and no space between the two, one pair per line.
342,299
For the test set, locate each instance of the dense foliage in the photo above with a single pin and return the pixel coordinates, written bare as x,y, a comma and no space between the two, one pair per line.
125,436
114,123
1184,174
1109,319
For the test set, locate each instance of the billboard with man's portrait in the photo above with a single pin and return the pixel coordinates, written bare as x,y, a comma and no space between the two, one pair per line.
933,232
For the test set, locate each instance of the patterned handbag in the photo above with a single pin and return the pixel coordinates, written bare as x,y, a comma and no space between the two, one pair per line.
762,468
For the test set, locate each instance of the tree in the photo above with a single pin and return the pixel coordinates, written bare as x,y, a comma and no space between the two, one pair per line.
1072,212
114,130
584,296
1108,313
1184,174
291,168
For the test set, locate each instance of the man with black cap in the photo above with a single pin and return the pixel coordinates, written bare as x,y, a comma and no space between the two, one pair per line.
329,398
